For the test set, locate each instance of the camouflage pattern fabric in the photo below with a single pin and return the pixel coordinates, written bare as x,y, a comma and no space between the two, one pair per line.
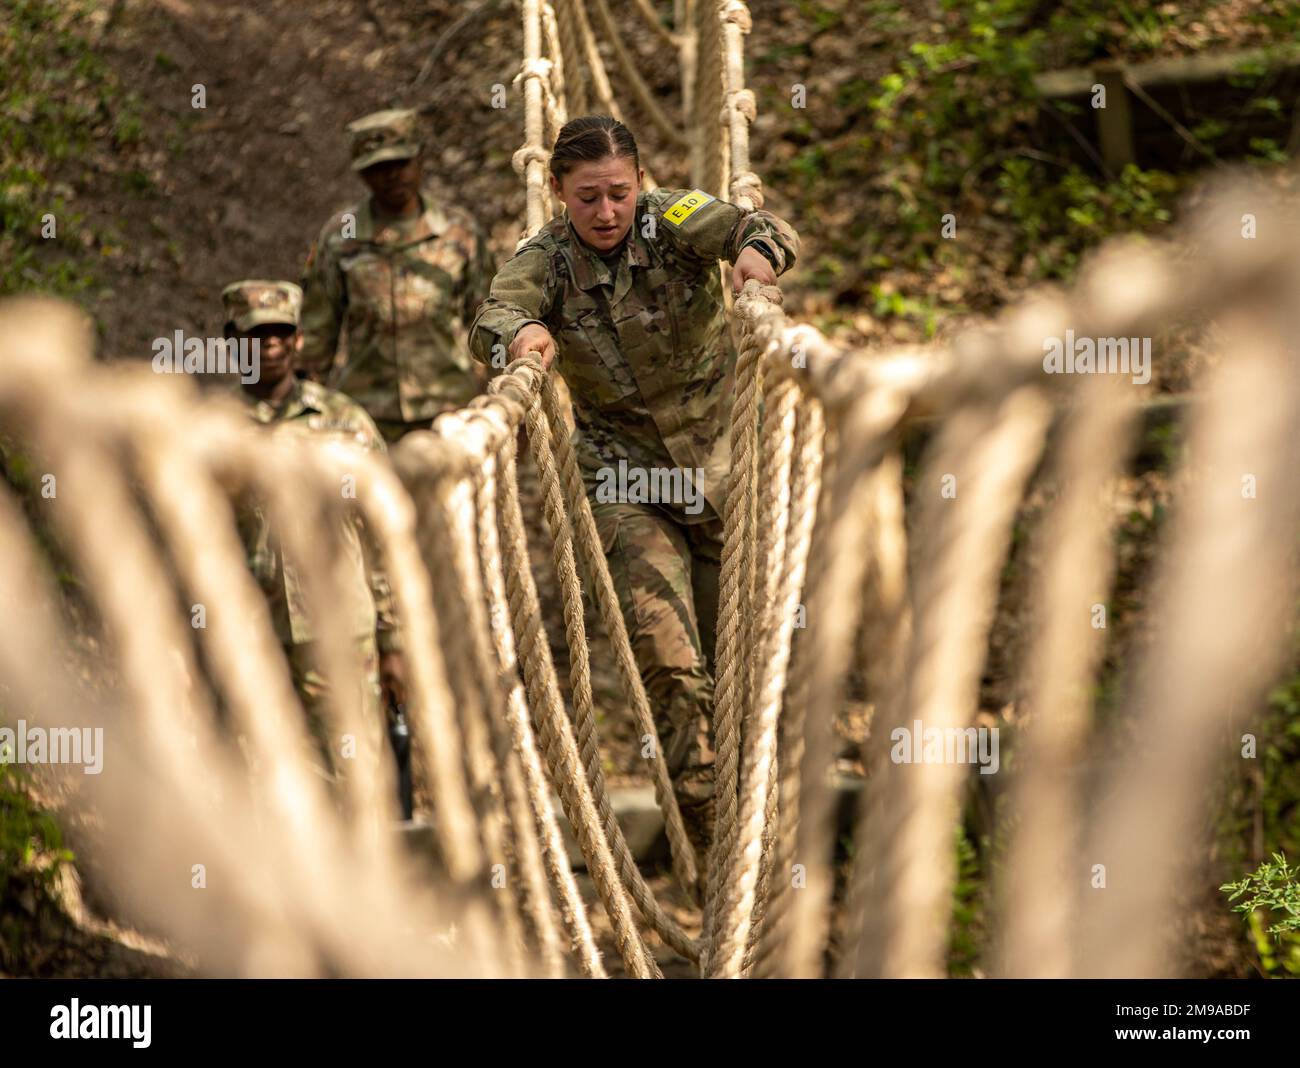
258,301
399,293
644,345
313,690
382,136
366,603
666,575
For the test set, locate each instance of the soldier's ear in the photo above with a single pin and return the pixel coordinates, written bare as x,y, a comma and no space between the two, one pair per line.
296,342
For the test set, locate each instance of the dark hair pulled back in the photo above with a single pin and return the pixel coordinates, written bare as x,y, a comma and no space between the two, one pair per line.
590,138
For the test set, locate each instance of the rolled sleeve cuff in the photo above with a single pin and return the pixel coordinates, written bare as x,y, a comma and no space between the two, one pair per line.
769,250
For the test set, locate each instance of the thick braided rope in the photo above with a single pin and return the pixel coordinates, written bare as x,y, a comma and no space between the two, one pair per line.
805,487
137,603
556,81
745,187
530,161
547,707
736,571
532,894
595,65
647,12
553,725
448,554
886,633
570,54
390,516
1228,589
708,145
990,450
555,730
771,950
735,591
601,584
834,609
559,523
740,875
1041,902
525,765
644,96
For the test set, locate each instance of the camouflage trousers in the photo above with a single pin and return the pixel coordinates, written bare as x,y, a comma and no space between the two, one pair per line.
666,575
313,690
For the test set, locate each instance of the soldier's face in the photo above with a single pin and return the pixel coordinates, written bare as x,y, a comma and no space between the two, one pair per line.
395,183
278,345
600,197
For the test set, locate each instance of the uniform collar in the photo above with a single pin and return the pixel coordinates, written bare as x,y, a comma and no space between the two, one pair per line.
300,398
431,222
589,269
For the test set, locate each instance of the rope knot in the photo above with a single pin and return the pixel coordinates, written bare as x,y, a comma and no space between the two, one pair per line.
526,155
749,186
534,68
741,100
737,12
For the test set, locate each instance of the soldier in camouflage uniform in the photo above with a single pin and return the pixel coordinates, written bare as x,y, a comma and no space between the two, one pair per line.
269,311
624,290
397,276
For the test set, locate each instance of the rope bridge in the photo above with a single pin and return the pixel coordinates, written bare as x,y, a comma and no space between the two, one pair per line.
211,759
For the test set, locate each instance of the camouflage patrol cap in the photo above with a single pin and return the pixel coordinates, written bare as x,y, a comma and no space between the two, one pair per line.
255,301
383,136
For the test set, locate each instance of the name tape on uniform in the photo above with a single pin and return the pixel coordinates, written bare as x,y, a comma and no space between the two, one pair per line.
681,211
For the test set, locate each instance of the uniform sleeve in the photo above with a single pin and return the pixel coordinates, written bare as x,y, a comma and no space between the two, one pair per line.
482,269
709,229
521,293
323,300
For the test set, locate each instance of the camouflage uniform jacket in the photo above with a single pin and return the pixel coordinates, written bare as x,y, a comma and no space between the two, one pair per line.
312,410
644,347
402,292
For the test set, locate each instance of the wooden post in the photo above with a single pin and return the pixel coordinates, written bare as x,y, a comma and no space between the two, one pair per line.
1115,120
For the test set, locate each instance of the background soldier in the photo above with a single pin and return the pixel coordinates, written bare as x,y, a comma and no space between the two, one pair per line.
398,275
625,289
268,311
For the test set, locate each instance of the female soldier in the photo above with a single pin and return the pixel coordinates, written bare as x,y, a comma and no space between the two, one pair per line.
624,289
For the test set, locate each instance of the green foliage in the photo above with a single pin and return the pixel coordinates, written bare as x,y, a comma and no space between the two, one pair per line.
1272,890
1274,886
1262,806
56,98
966,938
31,843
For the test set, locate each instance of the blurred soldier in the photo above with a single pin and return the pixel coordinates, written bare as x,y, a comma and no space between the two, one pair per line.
268,311
398,276
624,290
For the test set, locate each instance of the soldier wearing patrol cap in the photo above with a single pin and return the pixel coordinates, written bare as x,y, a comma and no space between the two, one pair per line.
268,311
624,290
396,278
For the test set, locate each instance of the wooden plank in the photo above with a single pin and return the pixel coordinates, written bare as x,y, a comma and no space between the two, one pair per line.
1173,70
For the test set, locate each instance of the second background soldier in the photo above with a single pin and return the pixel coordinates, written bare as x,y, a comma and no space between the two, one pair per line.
392,284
